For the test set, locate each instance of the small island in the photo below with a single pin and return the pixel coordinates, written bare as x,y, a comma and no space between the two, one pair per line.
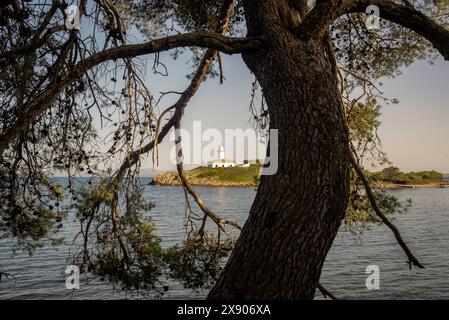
238,176
393,178
221,172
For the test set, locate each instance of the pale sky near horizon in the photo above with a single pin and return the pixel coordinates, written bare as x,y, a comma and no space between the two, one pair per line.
414,133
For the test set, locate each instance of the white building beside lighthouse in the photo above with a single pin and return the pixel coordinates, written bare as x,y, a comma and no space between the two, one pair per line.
221,162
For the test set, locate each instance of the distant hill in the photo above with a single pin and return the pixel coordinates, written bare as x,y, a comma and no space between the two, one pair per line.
217,177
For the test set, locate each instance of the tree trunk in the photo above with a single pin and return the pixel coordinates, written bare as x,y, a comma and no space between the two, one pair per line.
297,212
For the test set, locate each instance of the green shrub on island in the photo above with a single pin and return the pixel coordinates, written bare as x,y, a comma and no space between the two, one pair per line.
233,176
395,176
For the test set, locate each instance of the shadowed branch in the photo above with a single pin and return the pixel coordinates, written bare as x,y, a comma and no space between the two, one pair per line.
369,193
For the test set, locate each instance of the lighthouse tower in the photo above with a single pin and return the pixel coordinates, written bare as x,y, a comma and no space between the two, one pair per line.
221,153
221,162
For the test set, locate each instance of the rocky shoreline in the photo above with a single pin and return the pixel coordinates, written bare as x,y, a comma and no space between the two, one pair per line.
414,186
172,179
243,177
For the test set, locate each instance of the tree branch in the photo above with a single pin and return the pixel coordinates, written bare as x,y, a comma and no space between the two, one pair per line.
185,97
229,45
319,19
327,11
379,213
187,186
213,41
325,292
175,121
179,107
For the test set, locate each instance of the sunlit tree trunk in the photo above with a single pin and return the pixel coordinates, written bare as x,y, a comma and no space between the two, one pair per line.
297,212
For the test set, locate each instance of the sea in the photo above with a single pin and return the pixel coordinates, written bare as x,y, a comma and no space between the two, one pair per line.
349,264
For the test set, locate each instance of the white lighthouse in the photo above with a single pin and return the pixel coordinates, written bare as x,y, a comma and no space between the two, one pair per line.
221,153
221,162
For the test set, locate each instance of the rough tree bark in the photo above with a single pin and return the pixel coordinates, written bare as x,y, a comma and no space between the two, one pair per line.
297,212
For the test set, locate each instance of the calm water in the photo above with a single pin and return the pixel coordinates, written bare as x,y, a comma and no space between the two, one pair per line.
425,228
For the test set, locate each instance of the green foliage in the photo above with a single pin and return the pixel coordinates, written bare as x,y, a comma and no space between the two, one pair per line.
197,263
153,17
360,214
366,57
363,121
233,174
126,252
118,247
395,176
383,53
55,242
137,267
29,220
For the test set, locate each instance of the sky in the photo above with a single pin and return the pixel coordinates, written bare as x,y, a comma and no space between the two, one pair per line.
414,133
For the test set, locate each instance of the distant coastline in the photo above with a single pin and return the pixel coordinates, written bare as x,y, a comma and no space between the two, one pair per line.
393,178
389,178
413,186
